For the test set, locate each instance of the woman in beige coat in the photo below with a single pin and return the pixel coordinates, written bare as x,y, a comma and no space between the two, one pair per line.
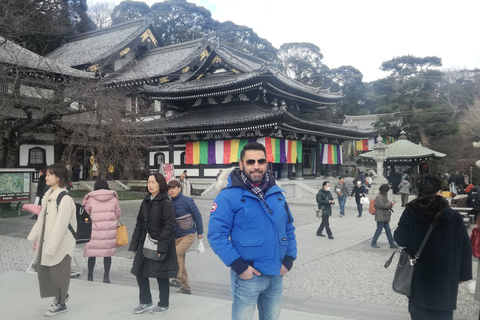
56,244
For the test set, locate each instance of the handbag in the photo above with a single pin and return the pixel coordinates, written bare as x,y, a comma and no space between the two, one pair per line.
201,246
150,247
184,222
402,281
475,241
122,235
364,200
318,211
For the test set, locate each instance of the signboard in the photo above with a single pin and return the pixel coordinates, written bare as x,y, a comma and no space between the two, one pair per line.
168,172
14,186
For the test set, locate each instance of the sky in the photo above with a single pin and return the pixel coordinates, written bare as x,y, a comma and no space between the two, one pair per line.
363,33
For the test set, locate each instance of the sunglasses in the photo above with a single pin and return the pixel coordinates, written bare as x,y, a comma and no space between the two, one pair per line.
252,162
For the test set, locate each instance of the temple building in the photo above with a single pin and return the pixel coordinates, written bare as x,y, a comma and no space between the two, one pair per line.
198,103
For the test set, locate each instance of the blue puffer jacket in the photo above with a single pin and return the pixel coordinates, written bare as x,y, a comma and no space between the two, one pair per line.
185,205
244,230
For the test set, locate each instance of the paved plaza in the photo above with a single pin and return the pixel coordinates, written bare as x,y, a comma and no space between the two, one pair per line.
323,283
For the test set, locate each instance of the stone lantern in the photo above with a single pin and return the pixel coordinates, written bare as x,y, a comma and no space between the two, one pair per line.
379,157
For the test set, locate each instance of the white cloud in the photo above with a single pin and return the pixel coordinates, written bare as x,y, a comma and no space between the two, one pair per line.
363,33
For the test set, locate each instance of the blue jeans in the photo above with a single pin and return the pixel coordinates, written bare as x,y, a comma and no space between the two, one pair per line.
378,232
264,290
341,202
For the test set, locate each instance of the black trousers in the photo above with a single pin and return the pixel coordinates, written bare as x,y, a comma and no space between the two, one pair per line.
144,287
325,224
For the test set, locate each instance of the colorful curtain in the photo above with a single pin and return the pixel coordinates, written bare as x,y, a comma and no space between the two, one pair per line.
228,151
330,154
368,144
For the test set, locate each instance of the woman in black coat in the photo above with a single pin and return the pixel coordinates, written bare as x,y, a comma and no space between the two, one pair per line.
156,214
446,258
359,191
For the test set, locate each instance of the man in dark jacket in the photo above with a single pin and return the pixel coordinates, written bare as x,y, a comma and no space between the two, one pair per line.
251,230
188,222
446,258
325,201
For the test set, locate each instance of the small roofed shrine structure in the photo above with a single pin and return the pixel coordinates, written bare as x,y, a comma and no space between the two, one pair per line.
413,158
198,103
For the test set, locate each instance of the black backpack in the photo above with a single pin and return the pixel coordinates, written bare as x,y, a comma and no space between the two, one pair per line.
84,223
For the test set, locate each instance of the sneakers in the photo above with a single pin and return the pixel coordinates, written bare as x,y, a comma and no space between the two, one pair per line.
158,309
56,309
393,246
142,308
175,283
320,235
340,215
185,291
359,216
55,301
374,246
331,237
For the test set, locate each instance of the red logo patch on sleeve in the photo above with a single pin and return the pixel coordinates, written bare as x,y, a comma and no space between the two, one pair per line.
214,207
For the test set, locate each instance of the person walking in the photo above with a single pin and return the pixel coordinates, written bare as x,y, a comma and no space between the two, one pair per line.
157,218
359,191
325,201
186,187
188,222
55,243
104,209
446,259
111,171
383,213
404,190
342,192
251,230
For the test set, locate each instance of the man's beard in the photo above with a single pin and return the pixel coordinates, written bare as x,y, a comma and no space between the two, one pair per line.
251,178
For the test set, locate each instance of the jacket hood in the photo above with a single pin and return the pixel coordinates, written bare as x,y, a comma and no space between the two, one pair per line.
233,179
428,207
102,195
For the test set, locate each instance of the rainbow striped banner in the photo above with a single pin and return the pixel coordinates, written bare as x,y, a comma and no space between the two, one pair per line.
228,151
330,154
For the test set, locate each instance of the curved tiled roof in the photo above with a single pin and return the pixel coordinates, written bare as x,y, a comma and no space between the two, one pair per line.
13,54
367,121
214,116
405,149
160,61
91,47
209,82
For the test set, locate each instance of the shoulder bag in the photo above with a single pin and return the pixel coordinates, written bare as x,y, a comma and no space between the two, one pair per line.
402,281
475,241
364,200
150,249
122,235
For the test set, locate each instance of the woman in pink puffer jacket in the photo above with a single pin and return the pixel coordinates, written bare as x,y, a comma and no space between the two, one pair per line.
104,209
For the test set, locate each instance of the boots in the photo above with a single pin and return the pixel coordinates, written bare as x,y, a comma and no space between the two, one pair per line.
106,278
90,276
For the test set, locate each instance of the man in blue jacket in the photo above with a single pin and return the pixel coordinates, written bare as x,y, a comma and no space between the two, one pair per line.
251,230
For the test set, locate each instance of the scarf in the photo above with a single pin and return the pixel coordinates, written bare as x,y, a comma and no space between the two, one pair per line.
259,190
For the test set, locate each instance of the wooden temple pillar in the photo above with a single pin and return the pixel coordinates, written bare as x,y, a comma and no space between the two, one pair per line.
299,171
318,165
283,172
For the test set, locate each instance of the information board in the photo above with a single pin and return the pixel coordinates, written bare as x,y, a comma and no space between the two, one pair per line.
168,171
14,186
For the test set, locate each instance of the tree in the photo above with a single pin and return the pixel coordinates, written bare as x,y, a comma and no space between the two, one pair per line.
412,89
349,80
101,13
245,39
40,25
178,21
302,61
128,11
